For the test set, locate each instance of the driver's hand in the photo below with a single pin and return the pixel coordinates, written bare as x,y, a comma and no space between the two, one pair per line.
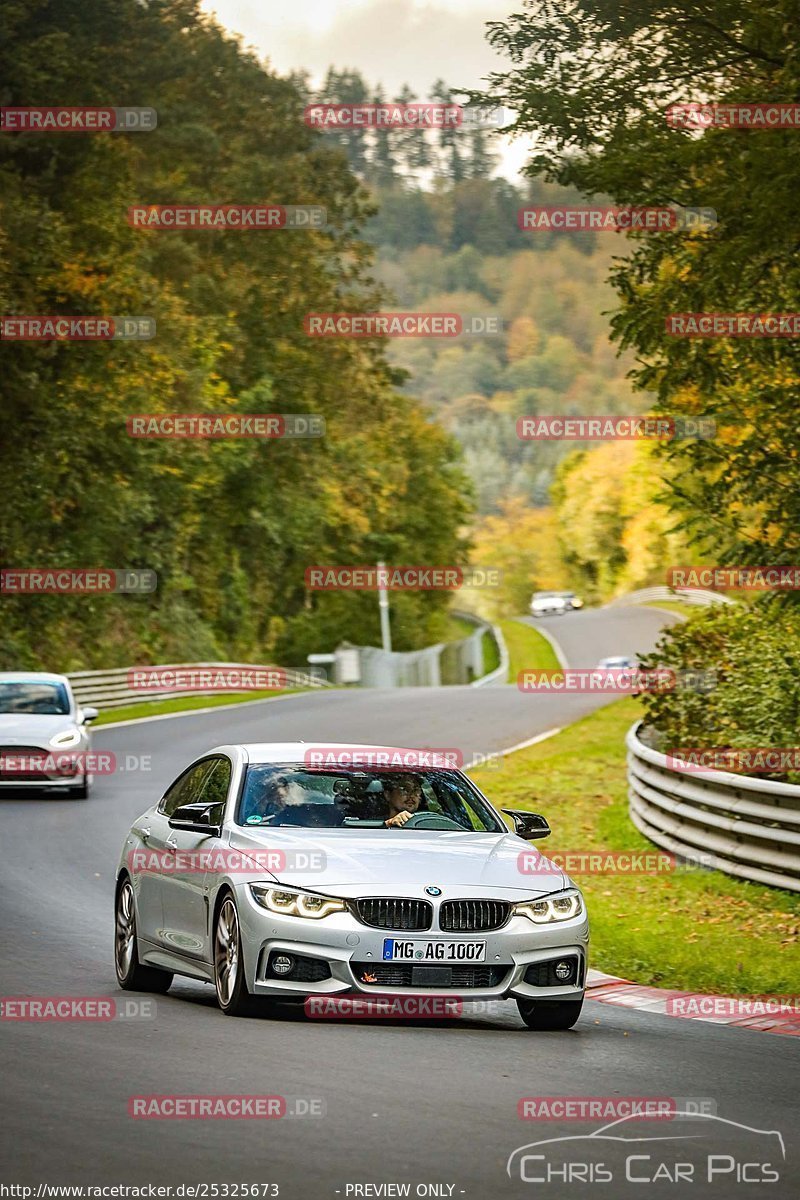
399,819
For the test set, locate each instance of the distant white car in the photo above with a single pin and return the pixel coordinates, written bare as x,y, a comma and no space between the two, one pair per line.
544,604
44,734
618,663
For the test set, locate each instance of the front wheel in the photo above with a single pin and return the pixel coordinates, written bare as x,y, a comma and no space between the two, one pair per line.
549,1014
131,975
229,976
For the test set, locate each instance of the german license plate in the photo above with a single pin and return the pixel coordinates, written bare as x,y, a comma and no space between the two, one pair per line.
422,950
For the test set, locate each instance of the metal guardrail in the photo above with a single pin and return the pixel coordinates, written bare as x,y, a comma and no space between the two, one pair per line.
441,665
743,826
110,689
700,596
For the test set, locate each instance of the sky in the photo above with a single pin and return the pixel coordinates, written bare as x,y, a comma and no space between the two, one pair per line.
390,42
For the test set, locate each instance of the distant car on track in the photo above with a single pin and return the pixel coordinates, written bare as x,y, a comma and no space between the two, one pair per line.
618,662
44,734
545,604
275,879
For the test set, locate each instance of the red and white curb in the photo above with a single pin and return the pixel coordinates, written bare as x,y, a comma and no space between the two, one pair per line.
609,989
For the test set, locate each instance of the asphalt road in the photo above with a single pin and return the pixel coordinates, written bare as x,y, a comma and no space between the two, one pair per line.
425,1103
590,634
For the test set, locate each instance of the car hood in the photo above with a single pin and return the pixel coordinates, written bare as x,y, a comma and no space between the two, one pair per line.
23,728
389,862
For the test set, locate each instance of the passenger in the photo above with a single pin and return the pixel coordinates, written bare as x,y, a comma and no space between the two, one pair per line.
277,794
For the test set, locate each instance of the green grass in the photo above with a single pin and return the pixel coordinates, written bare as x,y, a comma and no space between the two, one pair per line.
702,930
154,708
491,653
527,649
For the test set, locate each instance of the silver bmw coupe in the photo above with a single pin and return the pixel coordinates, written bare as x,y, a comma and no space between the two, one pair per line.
275,877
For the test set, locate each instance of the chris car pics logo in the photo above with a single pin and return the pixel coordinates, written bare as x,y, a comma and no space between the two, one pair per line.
698,1147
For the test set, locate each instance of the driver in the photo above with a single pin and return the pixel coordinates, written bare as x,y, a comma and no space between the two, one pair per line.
404,797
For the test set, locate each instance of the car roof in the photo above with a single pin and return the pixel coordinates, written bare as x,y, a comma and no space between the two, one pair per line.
294,752
32,677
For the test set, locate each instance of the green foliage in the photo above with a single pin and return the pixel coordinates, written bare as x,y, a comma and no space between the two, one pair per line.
230,527
551,357
593,80
755,654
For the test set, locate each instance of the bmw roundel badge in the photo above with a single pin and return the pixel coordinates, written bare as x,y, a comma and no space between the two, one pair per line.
433,891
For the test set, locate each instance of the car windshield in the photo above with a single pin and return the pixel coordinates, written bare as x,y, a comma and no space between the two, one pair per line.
32,696
286,794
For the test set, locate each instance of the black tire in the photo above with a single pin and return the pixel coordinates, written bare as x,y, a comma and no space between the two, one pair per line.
81,792
549,1014
230,982
131,975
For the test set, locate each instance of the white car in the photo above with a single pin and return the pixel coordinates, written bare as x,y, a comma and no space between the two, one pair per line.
549,604
272,877
44,734
618,662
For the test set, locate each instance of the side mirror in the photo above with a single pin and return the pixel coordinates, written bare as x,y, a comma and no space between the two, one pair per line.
196,818
528,825
88,714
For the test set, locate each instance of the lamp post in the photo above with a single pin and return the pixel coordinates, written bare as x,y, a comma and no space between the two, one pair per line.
383,605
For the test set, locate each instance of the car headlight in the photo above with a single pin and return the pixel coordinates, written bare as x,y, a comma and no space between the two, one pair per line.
294,903
70,737
562,907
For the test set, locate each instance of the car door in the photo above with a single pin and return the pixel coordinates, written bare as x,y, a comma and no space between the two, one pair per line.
147,842
185,882
156,836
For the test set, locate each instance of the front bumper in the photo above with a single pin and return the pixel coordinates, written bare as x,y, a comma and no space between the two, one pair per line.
349,947
22,767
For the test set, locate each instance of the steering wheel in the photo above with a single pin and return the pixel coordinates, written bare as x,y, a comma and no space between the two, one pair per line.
431,820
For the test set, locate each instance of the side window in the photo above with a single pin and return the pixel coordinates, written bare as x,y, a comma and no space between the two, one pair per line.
215,788
186,788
